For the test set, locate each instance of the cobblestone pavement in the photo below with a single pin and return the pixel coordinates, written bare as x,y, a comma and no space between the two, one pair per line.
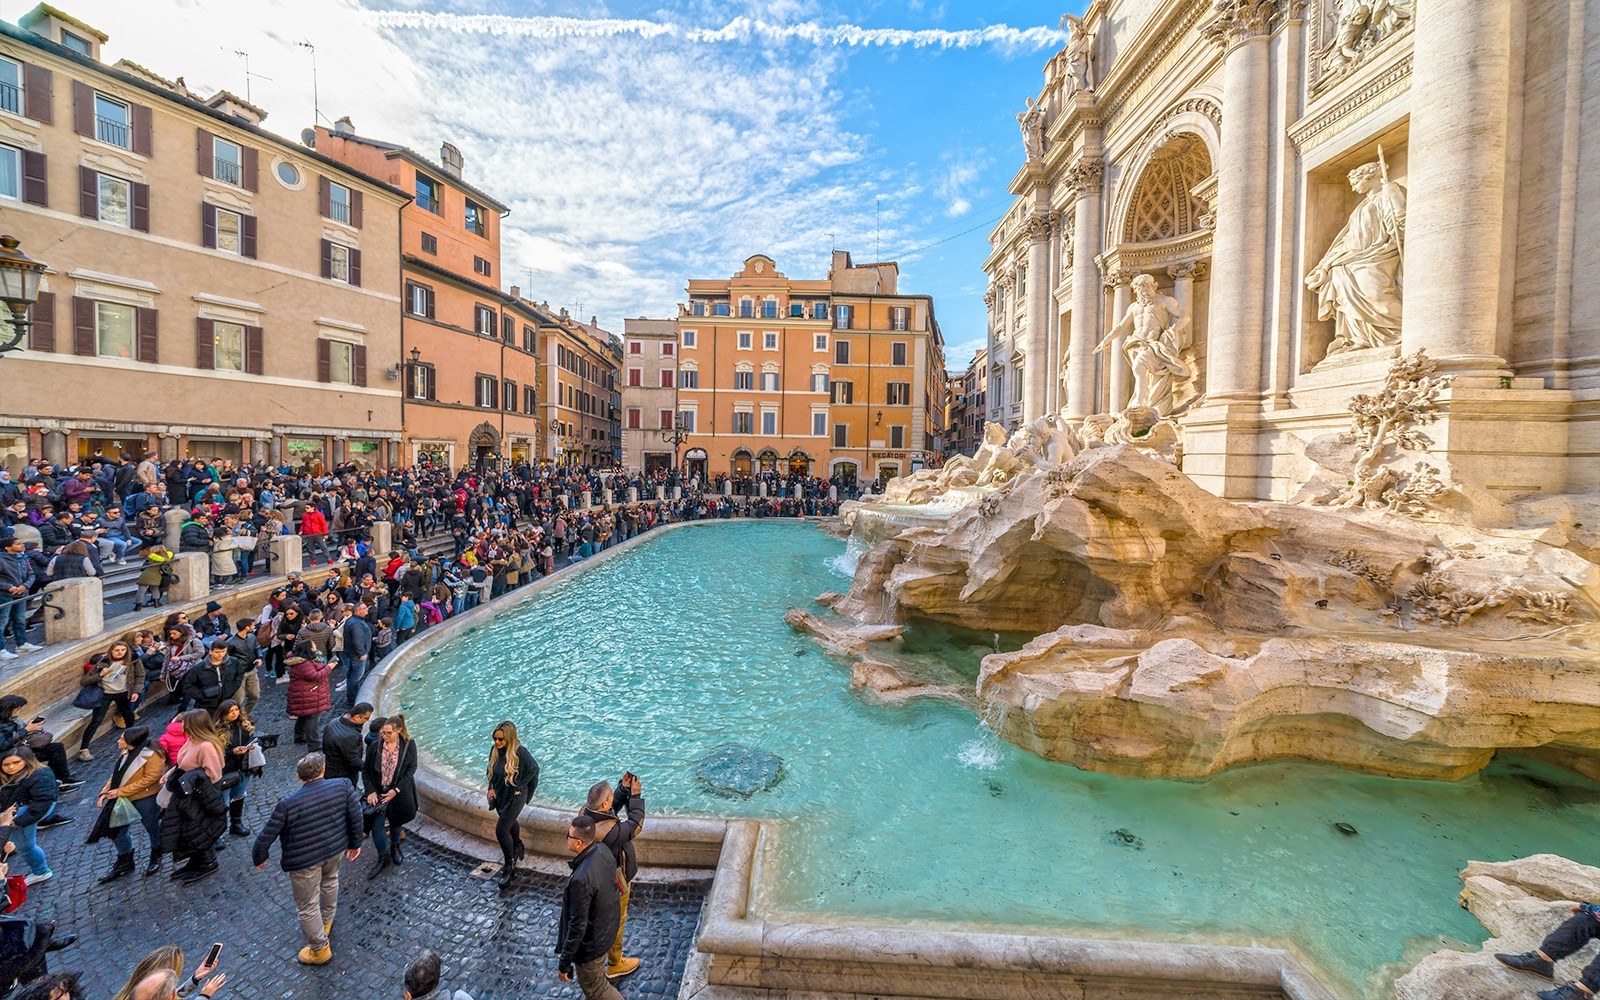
495,946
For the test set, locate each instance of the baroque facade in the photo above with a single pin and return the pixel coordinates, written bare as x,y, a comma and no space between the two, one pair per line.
1232,214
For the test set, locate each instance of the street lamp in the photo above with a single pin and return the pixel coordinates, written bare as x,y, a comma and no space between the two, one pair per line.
676,436
19,289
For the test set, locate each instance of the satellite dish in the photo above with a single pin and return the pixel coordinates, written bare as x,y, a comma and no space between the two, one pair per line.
308,137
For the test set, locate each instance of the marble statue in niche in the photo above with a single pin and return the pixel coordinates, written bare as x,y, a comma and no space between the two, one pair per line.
1032,122
1155,333
1358,283
1080,55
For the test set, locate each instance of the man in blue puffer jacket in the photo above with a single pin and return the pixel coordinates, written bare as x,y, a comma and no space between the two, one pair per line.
316,824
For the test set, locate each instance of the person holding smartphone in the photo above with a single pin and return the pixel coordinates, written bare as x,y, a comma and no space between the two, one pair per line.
604,806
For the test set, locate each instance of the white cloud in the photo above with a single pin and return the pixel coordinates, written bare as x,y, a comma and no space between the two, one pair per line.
959,171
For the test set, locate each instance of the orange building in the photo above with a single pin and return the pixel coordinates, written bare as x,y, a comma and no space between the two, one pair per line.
835,377
468,349
578,410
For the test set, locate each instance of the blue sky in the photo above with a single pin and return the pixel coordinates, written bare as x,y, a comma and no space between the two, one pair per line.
640,145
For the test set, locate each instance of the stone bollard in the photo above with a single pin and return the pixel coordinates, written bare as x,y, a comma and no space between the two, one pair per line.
565,501
84,603
588,499
797,493
175,518
633,494
605,498
193,570
727,489
763,491
28,533
833,493
287,555
677,493
661,492
382,538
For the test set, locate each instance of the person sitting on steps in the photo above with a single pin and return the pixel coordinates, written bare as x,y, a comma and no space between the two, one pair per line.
1575,932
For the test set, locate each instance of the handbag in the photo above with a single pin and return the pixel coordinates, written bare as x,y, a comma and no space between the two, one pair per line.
90,697
164,796
255,760
38,739
16,891
123,812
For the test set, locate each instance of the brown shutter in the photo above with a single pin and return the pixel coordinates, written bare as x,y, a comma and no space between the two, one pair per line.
432,374
83,338
205,343
141,129
429,295
252,350
42,334
494,394
247,235
141,207
38,86
35,178
88,193
208,225
324,198
147,336
252,168
327,259
203,150
324,362
82,108
358,365
355,208
355,267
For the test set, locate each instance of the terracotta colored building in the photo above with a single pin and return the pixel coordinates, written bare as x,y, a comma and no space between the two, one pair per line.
840,376
469,349
578,385
192,305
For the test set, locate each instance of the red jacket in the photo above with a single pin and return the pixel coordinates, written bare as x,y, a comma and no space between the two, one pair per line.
313,523
308,688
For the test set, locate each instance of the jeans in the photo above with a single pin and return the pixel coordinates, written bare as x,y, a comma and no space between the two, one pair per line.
1575,932
355,670
27,840
14,619
124,707
385,831
459,603
316,896
150,817
506,829
117,547
308,730
229,795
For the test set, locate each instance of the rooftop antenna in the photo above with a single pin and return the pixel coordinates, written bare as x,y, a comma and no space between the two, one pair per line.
529,271
316,105
241,53
877,238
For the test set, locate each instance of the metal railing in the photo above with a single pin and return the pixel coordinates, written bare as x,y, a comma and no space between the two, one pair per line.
109,130
228,172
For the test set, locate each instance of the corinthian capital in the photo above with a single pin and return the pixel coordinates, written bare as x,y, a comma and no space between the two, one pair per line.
1037,228
1084,174
1236,20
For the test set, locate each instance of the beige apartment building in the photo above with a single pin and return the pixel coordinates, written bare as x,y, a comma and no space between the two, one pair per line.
190,306
577,378
649,394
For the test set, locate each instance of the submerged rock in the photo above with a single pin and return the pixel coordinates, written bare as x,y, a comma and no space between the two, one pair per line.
732,769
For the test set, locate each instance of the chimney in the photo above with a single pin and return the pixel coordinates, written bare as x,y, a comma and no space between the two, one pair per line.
342,127
516,291
450,156
594,321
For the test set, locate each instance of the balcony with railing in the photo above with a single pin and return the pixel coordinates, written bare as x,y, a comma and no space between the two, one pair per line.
228,172
112,131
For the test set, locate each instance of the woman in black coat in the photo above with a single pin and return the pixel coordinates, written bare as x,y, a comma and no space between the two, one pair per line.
390,779
194,819
513,775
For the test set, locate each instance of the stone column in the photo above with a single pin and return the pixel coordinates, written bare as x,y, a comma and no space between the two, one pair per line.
677,493
193,581
587,499
382,538
53,445
633,494
258,451
833,493
661,493
1120,387
168,447
1239,247
84,603
174,521
1183,278
605,498
727,489
1456,222
1085,178
275,450
1040,368
286,554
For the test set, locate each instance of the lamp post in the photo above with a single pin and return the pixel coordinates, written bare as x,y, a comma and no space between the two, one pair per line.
19,289
676,436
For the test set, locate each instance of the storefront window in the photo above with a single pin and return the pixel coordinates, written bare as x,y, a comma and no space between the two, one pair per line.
215,450
304,454
363,454
13,451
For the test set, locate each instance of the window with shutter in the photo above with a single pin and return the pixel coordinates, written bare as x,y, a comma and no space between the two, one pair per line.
35,178
358,365
355,267
83,108
143,139
355,209
204,152
42,332
325,197
149,340
83,327
141,207
208,225
247,236
38,93
327,259
253,349
205,339
88,193
509,398
252,169
324,361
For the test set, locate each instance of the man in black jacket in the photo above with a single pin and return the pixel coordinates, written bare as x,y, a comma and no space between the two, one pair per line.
213,625
213,680
604,807
343,744
357,650
243,647
590,913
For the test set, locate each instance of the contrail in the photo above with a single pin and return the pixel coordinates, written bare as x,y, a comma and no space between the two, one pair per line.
740,29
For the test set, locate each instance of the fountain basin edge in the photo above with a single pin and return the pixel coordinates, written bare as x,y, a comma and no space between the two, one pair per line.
744,950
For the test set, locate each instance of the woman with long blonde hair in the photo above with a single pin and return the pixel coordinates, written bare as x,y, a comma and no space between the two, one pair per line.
513,775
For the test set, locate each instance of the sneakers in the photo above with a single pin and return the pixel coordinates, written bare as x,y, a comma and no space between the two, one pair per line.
625,967
6,654
315,956
282,680
56,820
1529,961
85,755
29,647
63,787
38,877
1571,991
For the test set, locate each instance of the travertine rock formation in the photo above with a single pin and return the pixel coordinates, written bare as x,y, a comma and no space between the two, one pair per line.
1519,902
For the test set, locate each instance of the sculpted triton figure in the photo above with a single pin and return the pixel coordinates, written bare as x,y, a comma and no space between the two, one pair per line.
1157,329
1358,283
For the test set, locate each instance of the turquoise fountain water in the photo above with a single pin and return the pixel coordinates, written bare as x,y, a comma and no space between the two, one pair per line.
653,658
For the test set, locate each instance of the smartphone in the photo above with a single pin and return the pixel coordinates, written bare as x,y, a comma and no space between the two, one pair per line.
36,720
214,954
